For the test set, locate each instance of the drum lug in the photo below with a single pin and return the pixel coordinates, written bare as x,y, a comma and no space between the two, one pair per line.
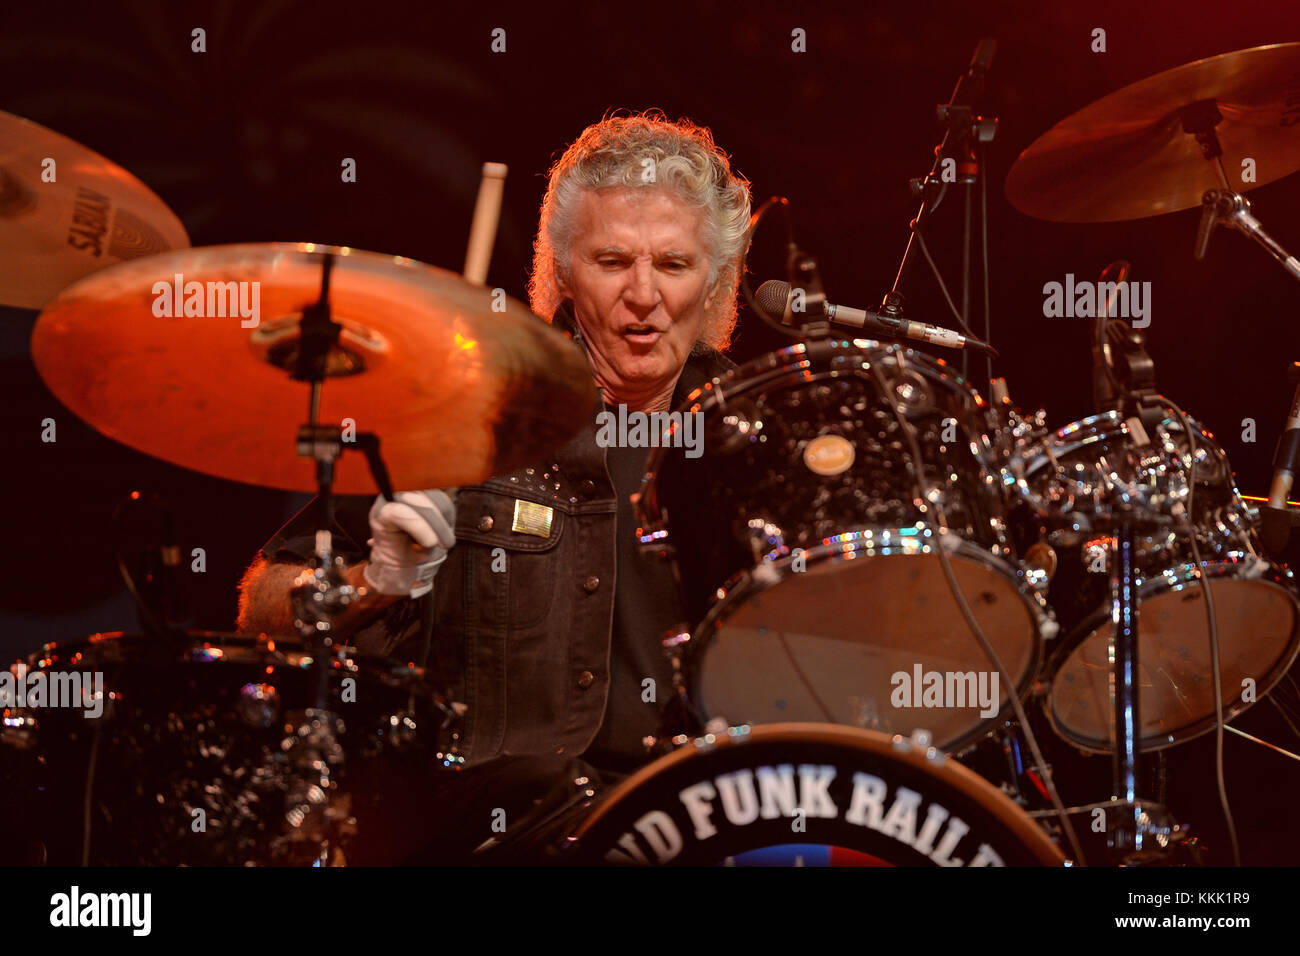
921,739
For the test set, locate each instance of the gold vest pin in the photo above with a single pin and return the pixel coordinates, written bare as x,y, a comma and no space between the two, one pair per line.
532,518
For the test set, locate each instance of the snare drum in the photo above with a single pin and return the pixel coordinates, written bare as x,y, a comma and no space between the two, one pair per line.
1077,479
825,598
809,794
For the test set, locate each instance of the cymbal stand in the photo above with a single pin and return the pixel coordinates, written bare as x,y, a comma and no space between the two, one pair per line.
1141,833
315,812
1229,208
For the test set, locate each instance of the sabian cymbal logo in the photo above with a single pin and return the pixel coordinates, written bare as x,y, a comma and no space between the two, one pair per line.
90,212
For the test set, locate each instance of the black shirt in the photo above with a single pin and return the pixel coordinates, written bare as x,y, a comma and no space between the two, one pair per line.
646,607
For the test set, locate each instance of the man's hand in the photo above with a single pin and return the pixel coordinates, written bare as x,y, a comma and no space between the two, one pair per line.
410,538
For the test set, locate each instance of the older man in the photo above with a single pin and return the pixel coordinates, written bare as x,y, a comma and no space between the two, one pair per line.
548,621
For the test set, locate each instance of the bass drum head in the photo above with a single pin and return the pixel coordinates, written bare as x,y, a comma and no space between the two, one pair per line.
1258,639
827,644
809,794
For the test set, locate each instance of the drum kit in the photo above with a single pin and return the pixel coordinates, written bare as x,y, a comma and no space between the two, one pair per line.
886,569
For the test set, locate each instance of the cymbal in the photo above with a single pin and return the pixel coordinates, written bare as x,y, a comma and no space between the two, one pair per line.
1127,156
94,214
456,391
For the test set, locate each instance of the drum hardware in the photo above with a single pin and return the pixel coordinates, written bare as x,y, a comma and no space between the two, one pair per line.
144,521
1277,517
1125,377
496,370
226,725
812,627
1263,743
1089,168
919,475
322,592
1165,842
1233,210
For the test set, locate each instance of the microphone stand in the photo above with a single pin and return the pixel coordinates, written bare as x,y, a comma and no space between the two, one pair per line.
963,129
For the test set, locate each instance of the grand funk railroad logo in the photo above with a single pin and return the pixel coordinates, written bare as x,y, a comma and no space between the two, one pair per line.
885,801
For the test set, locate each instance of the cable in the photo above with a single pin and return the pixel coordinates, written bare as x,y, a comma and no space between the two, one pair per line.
925,251
754,221
88,799
1013,692
1282,711
984,246
803,679
965,278
1214,630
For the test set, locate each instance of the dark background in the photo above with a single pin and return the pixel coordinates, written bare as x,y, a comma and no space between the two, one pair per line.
244,143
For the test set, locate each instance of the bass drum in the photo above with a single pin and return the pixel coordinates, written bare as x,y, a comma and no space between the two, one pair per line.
809,795
809,558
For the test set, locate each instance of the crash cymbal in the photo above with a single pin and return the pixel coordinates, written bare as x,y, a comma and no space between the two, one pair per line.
1128,156
455,390
92,215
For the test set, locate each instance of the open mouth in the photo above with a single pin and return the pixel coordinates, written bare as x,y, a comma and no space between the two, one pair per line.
642,334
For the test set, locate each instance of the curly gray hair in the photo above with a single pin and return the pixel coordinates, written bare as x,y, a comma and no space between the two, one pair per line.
685,159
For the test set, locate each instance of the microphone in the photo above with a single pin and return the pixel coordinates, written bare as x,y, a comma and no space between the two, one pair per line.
982,58
777,298
1275,517
970,87
1103,392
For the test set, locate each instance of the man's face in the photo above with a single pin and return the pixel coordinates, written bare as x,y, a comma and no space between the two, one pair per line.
638,274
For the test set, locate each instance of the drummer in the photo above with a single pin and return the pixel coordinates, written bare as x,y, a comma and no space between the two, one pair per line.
548,621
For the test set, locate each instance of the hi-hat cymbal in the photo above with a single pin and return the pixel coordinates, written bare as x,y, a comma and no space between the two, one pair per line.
92,215
1128,156
456,390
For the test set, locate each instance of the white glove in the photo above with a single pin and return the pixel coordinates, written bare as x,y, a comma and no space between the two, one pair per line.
411,537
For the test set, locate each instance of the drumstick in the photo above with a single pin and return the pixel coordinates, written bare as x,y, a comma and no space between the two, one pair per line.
483,229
